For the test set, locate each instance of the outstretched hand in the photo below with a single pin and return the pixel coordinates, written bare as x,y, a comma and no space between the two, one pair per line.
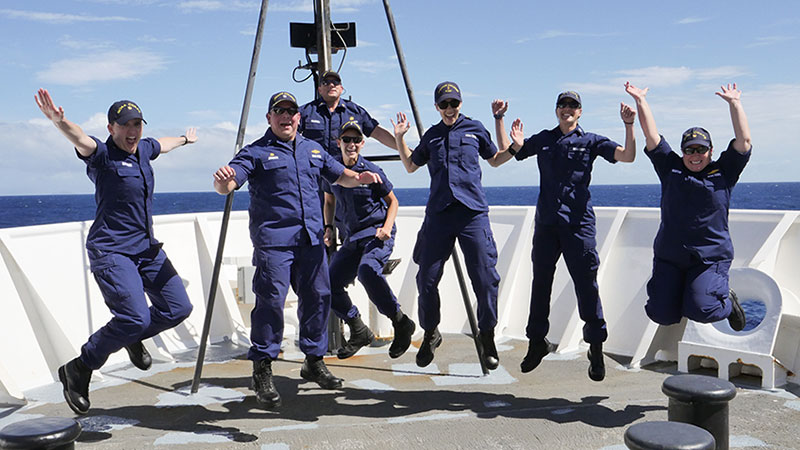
636,93
224,174
191,135
730,93
49,109
499,107
368,178
627,113
517,135
402,125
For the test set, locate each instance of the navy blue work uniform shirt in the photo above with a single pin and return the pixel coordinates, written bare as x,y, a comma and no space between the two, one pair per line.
285,200
694,205
452,154
565,170
124,185
361,209
319,124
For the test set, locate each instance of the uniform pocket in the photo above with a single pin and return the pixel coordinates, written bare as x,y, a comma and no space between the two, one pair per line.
718,285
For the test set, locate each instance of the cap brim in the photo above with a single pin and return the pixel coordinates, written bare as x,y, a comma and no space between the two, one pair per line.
690,142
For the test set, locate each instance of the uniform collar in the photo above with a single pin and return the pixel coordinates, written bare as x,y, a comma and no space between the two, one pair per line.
578,131
322,105
271,138
461,117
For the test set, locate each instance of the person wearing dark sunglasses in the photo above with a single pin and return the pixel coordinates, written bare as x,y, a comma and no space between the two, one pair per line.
693,251
565,220
457,209
367,227
322,118
283,171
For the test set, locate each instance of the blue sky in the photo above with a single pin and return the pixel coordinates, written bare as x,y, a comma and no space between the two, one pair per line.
185,63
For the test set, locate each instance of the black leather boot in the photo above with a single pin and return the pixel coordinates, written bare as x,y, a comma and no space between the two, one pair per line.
403,330
266,394
490,357
360,336
537,350
75,377
597,367
139,355
736,319
430,342
314,369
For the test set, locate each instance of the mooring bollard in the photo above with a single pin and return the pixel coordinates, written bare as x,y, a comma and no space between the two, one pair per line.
701,400
667,436
51,433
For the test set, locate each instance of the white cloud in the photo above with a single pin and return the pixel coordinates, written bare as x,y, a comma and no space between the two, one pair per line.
213,5
770,40
552,34
61,18
374,66
105,66
691,20
69,42
154,40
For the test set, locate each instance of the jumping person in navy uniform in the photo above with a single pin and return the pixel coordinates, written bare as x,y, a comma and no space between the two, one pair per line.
321,120
125,258
286,227
457,208
693,249
368,231
565,220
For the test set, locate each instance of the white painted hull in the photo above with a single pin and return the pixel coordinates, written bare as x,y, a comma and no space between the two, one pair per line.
51,302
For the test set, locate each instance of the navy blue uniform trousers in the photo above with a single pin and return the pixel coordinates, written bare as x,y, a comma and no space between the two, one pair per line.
123,281
578,245
364,258
693,289
305,268
435,244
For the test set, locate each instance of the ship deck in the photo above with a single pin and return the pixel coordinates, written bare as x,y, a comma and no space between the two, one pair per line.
390,404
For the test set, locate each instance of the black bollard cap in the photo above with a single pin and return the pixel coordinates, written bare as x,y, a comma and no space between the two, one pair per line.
668,435
698,389
42,432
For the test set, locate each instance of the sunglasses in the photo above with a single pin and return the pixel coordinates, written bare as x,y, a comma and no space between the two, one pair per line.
352,139
330,82
693,150
573,105
445,103
280,110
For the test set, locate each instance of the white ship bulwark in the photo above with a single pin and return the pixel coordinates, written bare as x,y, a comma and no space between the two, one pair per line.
51,304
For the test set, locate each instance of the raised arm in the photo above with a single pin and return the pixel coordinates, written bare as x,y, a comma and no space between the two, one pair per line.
627,153
400,129
171,143
499,109
384,137
224,180
741,130
385,232
85,145
646,120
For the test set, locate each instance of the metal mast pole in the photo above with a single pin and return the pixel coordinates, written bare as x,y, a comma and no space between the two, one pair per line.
456,262
322,19
201,352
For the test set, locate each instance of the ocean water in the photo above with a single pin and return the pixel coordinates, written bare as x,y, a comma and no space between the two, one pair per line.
24,210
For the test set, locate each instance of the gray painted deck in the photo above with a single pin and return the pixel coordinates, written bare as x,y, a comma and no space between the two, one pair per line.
393,404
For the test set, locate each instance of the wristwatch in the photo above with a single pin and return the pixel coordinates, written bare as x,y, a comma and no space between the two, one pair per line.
327,225
511,150
498,116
